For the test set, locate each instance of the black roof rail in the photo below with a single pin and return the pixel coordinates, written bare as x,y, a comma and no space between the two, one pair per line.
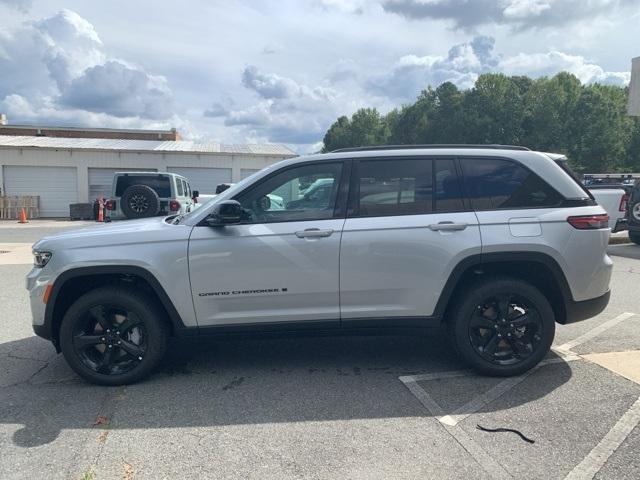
415,147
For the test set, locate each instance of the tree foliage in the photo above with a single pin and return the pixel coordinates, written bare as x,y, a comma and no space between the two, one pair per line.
588,123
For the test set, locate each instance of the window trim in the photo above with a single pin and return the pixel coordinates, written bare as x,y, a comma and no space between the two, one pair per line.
354,187
339,209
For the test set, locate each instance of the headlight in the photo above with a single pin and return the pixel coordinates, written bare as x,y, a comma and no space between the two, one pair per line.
40,259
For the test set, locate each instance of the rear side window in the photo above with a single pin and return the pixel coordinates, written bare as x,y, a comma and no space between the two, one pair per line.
495,184
160,183
401,186
180,187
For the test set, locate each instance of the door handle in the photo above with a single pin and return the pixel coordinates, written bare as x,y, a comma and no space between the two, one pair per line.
314,233
447,226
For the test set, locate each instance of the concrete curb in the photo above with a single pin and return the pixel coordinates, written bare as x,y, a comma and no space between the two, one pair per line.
619,240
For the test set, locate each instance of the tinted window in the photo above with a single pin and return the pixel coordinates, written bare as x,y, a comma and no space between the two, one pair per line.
394,187
448,194
493,184
180,187
306,192
161,184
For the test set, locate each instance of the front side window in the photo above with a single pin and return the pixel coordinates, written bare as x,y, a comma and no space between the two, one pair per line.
496,184
306,192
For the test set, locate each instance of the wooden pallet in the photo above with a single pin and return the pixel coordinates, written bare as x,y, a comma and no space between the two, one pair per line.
10,207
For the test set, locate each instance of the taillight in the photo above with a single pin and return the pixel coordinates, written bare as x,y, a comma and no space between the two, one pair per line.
174,205
589,222
110,205
623,203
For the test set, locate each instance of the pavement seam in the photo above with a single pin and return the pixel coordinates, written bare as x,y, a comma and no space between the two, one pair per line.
112,398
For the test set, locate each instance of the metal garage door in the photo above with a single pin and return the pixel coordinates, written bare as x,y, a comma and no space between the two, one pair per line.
204,180
56,186
101,180
246,172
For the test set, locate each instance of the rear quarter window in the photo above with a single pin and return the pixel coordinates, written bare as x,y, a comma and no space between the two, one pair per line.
503,184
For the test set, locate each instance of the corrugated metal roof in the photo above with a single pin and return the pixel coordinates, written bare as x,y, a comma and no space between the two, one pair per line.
143,145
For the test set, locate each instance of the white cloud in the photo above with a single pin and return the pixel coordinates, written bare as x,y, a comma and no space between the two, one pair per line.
59,63
550,63
522,9
287,111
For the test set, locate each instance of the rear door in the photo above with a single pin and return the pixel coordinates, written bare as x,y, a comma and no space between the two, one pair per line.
407,228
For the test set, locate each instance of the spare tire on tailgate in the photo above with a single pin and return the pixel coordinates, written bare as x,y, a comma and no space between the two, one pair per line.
139,201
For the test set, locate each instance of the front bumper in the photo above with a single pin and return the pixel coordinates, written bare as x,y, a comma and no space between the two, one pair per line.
577,311
36,283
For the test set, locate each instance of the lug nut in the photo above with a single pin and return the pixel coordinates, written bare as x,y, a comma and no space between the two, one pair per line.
110,346
119,342
499,336
108,331
102,339
139,358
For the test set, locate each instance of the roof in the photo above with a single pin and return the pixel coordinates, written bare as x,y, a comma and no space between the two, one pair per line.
182,146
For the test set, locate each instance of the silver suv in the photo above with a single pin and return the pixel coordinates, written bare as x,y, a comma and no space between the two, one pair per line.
497,243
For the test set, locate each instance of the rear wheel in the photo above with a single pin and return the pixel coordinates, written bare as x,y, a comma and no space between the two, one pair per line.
502,326
111,336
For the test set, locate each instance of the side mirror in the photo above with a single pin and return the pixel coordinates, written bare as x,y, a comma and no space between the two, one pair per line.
195,194
228,212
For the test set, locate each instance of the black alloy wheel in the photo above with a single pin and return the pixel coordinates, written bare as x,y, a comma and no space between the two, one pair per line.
501,326
110,340
505,329
114,336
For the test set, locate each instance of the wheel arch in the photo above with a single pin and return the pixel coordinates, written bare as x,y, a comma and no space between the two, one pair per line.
537,268
72,284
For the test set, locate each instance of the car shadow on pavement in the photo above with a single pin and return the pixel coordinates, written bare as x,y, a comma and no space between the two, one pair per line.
205,382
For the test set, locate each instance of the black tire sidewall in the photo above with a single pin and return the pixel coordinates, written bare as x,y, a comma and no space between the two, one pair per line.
635,237
151,196
478,293
154,324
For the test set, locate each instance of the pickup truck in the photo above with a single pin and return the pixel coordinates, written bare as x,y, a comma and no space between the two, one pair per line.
614,200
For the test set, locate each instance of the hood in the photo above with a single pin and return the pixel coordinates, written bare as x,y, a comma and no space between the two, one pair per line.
125,232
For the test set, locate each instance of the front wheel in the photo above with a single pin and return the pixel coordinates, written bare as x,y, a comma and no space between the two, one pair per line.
635,236
502,326
111,336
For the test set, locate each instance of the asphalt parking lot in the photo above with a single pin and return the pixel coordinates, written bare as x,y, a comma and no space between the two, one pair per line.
340,407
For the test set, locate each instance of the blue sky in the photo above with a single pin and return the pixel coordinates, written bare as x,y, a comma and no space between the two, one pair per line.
258,71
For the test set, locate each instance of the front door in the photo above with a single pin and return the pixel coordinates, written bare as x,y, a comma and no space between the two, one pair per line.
281,264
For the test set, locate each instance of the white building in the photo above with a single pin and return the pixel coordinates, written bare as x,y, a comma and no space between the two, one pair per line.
77,170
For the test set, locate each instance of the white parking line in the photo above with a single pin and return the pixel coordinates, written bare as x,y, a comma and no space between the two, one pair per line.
565,347
496,392
609,444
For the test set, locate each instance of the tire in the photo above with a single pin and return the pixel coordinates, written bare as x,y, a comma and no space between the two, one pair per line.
140,201
495,347
635,237
125,326
634,211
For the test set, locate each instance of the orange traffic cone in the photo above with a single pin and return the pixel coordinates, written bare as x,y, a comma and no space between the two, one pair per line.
23,216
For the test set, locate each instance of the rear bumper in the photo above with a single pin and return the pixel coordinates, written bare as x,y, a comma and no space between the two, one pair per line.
620,225
577,311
